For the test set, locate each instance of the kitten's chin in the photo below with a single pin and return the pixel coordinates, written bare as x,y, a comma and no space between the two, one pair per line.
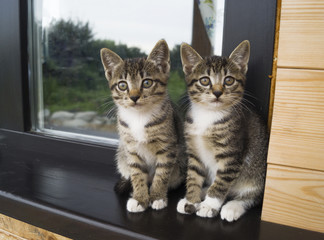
135,105
218,104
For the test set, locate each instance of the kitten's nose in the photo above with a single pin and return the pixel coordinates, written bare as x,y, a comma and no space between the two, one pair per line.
217,93
134,98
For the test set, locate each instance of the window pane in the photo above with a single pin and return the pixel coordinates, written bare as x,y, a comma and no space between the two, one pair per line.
70,91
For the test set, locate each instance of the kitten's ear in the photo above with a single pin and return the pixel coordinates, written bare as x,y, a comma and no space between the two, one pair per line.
160,55
189,58
241,55
110,61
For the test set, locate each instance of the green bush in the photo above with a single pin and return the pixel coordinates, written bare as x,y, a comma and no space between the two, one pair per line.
73,76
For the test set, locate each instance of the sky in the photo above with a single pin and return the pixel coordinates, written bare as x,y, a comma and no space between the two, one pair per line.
138,23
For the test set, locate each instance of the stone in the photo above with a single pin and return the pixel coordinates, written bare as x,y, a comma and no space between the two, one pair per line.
75,123
86,116
61,116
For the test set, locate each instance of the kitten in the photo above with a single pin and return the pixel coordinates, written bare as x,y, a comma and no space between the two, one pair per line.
149,146
226,142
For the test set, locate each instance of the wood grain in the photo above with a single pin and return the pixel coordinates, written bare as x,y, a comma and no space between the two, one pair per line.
4,235
297,133
12,229
301,40
294,197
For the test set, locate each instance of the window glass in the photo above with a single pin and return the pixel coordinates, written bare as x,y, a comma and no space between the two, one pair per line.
70,92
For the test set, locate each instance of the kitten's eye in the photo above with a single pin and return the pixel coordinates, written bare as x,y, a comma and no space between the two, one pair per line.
205,81
229,81
122,86
147,83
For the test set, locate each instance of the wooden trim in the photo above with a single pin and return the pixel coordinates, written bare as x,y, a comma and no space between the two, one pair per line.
12,229
273,77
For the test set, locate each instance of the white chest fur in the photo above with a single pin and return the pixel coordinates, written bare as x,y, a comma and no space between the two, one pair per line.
203,119
136,121
207,157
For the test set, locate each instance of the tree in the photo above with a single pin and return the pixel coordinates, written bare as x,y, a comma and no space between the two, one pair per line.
68,42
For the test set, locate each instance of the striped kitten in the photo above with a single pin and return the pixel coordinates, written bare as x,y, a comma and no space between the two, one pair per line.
149,144
226,142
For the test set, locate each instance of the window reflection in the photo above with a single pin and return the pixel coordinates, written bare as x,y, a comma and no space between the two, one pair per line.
71,93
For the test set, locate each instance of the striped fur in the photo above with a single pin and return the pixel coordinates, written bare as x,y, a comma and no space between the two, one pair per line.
149,152
226,142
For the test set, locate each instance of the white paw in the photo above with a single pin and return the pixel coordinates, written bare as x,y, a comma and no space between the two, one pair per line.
232,211
206,211
182,204
134,206
209,207
159,204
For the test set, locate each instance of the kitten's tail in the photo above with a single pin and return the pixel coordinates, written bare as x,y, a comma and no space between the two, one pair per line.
123,186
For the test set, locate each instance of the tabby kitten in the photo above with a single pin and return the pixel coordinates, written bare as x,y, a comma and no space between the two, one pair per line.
148,152
226,142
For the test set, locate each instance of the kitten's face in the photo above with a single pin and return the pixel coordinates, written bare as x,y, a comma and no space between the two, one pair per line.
138,83
216,83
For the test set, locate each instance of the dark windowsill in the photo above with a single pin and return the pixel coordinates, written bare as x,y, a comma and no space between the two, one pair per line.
68,189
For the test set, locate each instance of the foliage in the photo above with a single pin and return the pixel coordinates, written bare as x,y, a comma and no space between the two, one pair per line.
73,76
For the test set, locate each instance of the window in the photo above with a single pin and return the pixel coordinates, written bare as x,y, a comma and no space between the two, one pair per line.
71,97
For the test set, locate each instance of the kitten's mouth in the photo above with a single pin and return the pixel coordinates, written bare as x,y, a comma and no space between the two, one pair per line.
136,105
217,100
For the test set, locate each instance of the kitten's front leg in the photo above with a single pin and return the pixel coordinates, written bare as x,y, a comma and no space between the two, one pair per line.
139,175
159,188
195,178
217,192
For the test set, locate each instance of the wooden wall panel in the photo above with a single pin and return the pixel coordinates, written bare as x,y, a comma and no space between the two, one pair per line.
297,134
301,34
294,197
11,228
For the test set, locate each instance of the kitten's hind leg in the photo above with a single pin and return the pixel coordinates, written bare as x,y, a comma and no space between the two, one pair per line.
123,186
243,200
234,209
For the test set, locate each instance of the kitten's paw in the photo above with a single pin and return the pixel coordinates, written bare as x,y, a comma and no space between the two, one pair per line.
206,211
159,204
209,207
134,206
232,211
186,207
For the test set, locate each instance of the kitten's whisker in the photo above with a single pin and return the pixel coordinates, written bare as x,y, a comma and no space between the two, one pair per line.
247,93
112,113
241,103
105,105
247,101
